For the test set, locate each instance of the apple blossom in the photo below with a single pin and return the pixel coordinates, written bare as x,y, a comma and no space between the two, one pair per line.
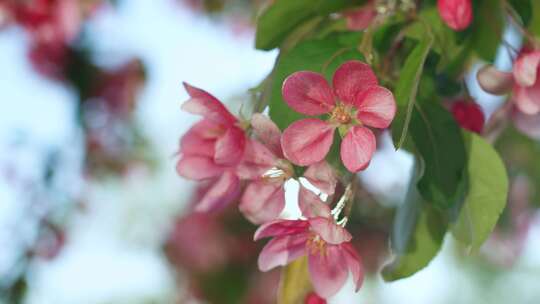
268,170
327,247
212,148
355,102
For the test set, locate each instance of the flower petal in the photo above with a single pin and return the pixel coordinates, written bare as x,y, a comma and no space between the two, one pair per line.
267,132
329,231
494,81
262,201
203,103
376,107
527,124
357,148
198,167
328,271
229,148
222,192
307,141
311,205
308,93
322,176
354,263
527,99
282,250
281,227
351,78
257,161
196,142
526,69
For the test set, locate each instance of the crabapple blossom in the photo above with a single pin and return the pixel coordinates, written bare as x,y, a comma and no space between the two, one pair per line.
268,170
525,85
355,102
457,14
527,82
212,149
327,246
469,115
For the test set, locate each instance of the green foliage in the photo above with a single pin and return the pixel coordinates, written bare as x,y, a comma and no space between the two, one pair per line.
417,236
523,9
438,141
487,195
407,87
487,28
534,25
284,16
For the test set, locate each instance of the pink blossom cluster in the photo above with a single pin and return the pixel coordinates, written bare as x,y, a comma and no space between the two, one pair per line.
253,160
523,82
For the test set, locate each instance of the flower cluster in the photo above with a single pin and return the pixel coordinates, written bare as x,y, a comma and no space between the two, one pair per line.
524,85
251,160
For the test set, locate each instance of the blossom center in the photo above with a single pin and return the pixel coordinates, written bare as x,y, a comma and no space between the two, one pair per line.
316,245
342,114
281,172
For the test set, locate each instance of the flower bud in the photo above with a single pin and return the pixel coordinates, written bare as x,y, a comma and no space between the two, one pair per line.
494,81
457,14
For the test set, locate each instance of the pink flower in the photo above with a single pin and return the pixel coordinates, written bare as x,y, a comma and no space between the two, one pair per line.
327,246
469,115
527,82
356,101
264,164
212,149
457,14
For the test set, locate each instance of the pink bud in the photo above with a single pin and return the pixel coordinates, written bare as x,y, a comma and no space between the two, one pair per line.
494,81
457,14
469,115
313,298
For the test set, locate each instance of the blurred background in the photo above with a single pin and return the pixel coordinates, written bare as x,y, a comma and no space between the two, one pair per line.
91,208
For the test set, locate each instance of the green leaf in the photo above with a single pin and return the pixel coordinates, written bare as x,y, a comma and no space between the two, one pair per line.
417,236
322,56
487,195
295,283
283,16
534,26
523,9
407,87
438,140
487,27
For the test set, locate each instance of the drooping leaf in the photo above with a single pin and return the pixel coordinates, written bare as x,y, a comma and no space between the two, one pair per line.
283,16
438,140
524,10
534,25
407,88
417,236
487,28
295,283
487,194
